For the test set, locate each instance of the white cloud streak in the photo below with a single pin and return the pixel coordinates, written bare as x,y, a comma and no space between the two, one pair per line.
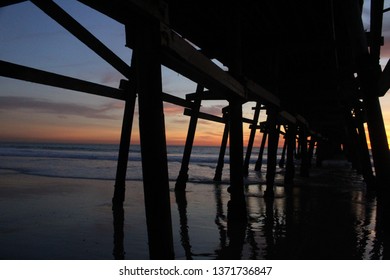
109,111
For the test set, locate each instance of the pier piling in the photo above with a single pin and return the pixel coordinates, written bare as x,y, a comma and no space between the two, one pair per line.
259,161
322,83
152,136
237,204
273,140
222,149
291,144
123,155
251,138
182,179
283,155
304,169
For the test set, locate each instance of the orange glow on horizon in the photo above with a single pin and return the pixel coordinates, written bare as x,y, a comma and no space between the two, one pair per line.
38,127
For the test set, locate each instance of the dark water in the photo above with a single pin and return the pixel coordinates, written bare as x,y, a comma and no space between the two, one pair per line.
330,215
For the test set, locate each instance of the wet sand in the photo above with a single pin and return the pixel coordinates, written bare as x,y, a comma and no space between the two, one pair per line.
329,216
61,218
55,218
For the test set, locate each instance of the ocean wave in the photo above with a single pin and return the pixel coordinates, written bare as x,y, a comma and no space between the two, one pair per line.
90,154
100,161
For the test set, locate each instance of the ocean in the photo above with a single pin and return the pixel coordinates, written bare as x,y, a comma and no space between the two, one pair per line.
55,203
98,161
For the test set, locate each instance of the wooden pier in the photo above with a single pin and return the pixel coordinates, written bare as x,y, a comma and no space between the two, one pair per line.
311,68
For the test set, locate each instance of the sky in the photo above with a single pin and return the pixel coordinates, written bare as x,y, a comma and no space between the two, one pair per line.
33,112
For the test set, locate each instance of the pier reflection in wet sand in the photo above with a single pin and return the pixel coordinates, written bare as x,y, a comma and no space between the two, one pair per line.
317,220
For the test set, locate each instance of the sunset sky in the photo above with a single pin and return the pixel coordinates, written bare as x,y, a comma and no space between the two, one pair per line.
32,112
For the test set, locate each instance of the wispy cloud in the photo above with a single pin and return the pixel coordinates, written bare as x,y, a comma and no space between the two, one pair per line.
172,109
106,111
111,78
213,110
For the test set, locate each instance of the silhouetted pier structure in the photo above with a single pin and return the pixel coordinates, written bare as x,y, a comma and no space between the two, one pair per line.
310,66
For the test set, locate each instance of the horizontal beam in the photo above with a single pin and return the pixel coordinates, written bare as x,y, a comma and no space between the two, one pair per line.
262,93
263,128
288,117
205,116
184,58
175,46
302,120
24,73
181,55
75,28
206,95
246,120
177,100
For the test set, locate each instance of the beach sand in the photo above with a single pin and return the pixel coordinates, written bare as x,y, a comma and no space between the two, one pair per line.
329,216
58,218
61,218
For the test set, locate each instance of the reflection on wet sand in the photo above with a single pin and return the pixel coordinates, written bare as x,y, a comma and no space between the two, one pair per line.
118,217
309,221
181,201
309,224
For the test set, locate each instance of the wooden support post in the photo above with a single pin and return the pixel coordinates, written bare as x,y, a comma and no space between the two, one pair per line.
298,147
259,161
237,213
221,157
152,135
320,152
378,139
236,149
353,151
120,179
237,204
123,156
365,153
183,174
283,156
251,138
369,72
304,170
291,144
272,150
310,153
